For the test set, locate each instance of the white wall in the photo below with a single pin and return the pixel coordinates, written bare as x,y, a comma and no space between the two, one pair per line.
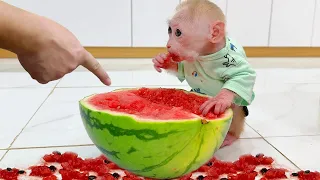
143,23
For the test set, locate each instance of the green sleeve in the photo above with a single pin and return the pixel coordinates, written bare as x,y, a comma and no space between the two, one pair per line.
241,80
180,75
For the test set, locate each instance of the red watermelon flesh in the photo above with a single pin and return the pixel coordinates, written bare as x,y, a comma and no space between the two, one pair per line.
9,173
155,104
247,167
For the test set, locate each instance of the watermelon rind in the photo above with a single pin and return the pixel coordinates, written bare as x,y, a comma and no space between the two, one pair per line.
161,149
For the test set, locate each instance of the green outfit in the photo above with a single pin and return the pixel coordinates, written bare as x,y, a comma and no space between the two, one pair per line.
227,68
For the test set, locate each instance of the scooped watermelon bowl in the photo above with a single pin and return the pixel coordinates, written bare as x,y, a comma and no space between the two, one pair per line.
154,132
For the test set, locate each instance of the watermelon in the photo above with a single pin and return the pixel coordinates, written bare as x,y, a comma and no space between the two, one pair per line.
154,132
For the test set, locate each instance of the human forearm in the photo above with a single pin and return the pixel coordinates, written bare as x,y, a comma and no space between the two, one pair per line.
19,29
45,49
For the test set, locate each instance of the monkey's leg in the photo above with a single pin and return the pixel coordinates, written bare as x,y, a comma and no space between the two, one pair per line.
236,127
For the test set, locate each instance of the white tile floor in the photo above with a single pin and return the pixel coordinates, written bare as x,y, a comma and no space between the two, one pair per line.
284,120
2,152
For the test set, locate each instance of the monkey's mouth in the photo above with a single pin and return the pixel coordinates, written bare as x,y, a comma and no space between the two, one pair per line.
175,57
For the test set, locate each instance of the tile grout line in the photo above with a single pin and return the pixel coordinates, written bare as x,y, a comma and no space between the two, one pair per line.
47,147
291,136
88,86
270,23
131,21
33,87
9,148
26,87
3,155
102,86
282,154
76,145
56,85
314,21
71,87
275,148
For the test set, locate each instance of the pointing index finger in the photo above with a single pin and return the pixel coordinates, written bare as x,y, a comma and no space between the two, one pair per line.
94,66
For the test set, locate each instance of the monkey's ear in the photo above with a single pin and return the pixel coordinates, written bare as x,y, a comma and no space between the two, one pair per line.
217,32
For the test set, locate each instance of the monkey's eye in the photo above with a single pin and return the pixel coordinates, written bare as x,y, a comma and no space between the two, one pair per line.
178,32
169,30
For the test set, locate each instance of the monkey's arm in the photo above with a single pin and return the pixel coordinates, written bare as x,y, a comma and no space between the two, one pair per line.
240,79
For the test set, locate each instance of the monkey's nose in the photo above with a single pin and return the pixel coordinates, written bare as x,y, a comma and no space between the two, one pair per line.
168,46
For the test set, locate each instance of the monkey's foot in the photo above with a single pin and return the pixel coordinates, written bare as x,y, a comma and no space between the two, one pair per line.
228,140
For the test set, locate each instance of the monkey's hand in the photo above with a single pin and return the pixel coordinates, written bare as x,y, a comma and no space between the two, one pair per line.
220,102
164,61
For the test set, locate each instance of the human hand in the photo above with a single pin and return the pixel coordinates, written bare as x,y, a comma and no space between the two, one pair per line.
57,52
45,49
164,61
220,102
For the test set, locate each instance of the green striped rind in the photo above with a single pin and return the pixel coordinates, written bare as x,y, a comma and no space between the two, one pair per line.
156,149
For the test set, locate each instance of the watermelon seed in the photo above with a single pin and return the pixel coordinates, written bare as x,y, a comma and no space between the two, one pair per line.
21,172
106,161
259,155
209,164
295,174
92,177
56,152
263,170
307,171
52,168
9,169
224,178
116,175
200,177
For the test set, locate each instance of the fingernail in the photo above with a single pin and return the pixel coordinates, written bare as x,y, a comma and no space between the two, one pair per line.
107,82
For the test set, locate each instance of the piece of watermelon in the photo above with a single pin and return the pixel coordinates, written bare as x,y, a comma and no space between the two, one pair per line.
68,165
154,132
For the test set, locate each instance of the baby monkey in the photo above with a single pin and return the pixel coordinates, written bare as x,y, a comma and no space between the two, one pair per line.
200,52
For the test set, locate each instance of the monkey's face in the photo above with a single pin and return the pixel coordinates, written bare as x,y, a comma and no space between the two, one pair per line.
187,39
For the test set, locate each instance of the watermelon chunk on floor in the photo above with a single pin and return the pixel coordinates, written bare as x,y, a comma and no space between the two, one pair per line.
247,167
154,132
